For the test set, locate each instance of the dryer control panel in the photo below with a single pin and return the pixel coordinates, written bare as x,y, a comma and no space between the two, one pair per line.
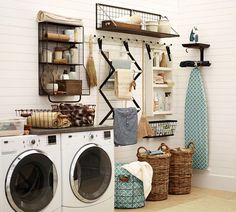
102,137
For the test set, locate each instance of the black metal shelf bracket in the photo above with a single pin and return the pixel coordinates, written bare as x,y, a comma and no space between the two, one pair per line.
110,74
201,62
63,101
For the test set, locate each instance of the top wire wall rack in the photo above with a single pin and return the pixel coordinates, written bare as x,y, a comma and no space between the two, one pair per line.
106,13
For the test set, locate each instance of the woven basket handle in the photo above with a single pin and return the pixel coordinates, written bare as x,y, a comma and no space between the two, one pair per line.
138,150
163,147
192,146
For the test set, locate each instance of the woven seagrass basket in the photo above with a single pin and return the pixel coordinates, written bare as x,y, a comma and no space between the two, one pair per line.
180,177
160,165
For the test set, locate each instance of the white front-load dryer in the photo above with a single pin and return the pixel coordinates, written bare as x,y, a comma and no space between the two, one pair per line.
30,173
88,171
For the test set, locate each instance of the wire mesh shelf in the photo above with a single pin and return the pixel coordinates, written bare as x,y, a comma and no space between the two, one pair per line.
106,16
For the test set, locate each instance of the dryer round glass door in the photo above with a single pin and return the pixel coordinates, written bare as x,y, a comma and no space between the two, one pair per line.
31,181
90,173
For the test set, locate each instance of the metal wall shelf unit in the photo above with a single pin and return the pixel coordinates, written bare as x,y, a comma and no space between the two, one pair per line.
49,70
105,13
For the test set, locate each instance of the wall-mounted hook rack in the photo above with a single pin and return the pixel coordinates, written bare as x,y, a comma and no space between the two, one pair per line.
135,40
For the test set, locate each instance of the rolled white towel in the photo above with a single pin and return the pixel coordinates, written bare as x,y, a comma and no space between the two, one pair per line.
51,17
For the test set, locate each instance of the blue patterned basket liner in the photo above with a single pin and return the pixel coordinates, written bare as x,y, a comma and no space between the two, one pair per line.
128,189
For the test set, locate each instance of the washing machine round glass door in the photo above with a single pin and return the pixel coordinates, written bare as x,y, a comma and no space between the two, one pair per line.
90,173
31,181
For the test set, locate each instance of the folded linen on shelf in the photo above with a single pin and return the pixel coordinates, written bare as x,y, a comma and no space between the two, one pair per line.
123,79
51,17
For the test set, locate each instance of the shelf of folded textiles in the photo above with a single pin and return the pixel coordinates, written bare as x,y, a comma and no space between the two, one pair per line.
164,85
169,112
155,68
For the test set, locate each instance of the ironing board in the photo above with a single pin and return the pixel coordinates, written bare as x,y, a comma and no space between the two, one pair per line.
196,121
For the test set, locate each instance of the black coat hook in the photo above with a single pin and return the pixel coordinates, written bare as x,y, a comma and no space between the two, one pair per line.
148,51
168,52
100,43
126,45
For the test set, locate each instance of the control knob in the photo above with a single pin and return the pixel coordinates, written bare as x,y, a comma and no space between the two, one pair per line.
32,142
91,136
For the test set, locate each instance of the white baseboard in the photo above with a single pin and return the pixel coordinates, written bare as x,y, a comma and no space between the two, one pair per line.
219,182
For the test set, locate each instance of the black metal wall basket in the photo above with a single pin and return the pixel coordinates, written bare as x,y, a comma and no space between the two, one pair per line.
162,128
107,14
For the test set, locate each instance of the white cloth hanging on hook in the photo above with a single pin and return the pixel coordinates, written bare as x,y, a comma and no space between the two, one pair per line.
123,79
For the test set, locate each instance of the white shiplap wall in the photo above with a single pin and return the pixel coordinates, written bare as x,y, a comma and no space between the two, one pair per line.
19,54
216,22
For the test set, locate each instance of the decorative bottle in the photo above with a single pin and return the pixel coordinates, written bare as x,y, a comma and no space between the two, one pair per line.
72,73
65,75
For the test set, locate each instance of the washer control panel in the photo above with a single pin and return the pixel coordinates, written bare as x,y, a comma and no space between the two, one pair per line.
11,145
107,134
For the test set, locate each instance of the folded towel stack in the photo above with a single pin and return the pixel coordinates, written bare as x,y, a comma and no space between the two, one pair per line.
51,17
48,120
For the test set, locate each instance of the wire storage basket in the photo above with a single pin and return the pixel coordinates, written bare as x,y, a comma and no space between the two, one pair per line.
162,128
80,115
180,177
60,116
160,165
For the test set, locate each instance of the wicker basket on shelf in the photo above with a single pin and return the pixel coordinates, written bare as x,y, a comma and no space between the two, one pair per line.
180,177
160,165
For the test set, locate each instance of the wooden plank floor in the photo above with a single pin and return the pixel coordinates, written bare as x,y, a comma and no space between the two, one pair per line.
205,200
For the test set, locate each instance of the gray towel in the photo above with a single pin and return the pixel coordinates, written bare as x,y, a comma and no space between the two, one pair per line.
125,126
121,64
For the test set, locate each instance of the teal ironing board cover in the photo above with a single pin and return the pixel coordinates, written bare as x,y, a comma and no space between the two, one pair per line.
196,120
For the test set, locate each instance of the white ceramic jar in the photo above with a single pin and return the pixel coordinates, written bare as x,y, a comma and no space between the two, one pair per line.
71,34
52,88
67,56
164,26
58,54
151,26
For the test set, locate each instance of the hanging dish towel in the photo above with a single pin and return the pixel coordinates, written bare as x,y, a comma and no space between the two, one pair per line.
144,172
123,79
125,126
51,17
196,121
121,64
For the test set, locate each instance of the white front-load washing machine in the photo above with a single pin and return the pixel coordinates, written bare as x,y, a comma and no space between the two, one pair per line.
88,171
30,173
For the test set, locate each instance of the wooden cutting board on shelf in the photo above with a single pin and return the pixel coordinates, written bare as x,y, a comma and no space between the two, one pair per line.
196,119
115,24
